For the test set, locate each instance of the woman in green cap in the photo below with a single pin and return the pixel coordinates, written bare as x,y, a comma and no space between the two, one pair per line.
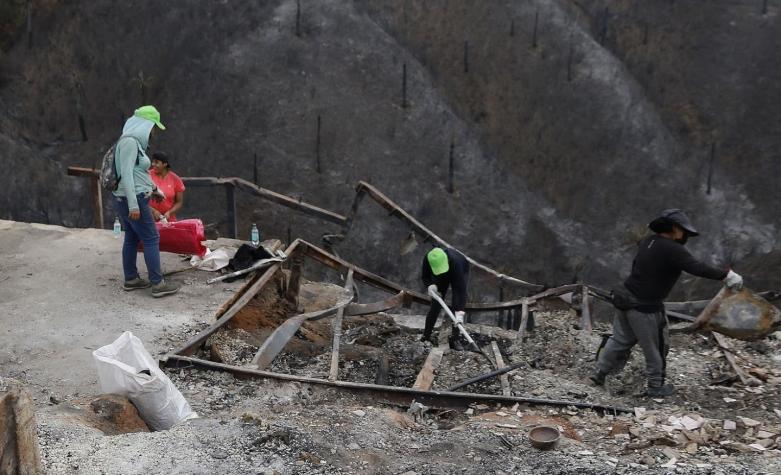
131,202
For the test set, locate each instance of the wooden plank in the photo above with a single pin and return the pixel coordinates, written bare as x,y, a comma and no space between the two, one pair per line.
333,374
725,348
504,379
97,203
193,343
82,171
426,375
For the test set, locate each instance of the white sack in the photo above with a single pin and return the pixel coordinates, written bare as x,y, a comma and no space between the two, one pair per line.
212,260
158,401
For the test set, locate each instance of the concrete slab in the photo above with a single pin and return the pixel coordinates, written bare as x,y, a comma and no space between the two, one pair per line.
61,297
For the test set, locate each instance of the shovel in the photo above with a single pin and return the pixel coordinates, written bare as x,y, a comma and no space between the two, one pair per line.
741,314
434,295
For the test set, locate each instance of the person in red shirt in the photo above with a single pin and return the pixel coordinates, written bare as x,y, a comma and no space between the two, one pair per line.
170,184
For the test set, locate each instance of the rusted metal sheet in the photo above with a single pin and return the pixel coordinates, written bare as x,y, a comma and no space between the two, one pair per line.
396,301
276,342
391,394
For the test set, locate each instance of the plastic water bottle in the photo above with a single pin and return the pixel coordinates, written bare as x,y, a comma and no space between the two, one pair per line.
255,235
117,228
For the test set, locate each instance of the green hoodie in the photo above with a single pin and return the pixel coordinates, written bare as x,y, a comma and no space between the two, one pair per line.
133,179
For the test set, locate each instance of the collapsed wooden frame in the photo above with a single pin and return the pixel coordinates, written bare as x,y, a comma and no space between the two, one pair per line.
421,390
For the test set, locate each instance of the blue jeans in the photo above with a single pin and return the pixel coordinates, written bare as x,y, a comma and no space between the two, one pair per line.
144,230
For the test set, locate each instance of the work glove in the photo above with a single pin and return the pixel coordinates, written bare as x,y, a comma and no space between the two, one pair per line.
733,281
459,316
432,289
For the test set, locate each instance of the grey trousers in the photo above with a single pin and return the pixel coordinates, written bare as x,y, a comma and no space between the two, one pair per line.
650,331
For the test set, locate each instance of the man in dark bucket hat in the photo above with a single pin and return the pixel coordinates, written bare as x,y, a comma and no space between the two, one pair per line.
660,259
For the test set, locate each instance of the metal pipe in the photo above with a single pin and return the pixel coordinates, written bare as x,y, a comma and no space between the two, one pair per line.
484,376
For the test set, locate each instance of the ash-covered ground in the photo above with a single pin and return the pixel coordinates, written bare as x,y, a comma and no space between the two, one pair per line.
271,426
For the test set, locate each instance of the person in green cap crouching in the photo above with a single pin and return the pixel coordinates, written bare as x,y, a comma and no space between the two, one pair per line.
131,202
442,269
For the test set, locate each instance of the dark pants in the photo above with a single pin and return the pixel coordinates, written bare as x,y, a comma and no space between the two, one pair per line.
650,331
433,312
144,230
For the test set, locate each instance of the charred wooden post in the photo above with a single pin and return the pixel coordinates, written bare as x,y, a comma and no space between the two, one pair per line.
97,202
710,165
383,366
569,61
294,281
230,198
451,165
512,28
524,319
404,86
534,31
29,24
466,56
19,449
317,147
603,26
298,18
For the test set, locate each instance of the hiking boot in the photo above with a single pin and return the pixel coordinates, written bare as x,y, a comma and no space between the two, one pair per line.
426,338
456,343
135,284
163,288
598,378
660,391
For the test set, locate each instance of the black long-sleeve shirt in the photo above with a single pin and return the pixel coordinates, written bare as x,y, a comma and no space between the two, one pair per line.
658,265
456,277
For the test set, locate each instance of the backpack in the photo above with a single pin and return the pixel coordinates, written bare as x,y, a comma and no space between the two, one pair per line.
109,178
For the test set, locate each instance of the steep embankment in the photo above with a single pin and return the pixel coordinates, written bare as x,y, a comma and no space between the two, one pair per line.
562,149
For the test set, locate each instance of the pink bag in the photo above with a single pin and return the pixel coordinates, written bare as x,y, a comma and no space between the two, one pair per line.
181,237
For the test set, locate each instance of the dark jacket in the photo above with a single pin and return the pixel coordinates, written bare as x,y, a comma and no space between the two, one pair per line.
658,265
456,277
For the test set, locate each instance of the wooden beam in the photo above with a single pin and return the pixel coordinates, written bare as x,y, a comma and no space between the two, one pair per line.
425,378
504,379
333,374
269,195
400,213
726,349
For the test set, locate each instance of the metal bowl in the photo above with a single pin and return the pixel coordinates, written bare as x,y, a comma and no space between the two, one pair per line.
544,437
